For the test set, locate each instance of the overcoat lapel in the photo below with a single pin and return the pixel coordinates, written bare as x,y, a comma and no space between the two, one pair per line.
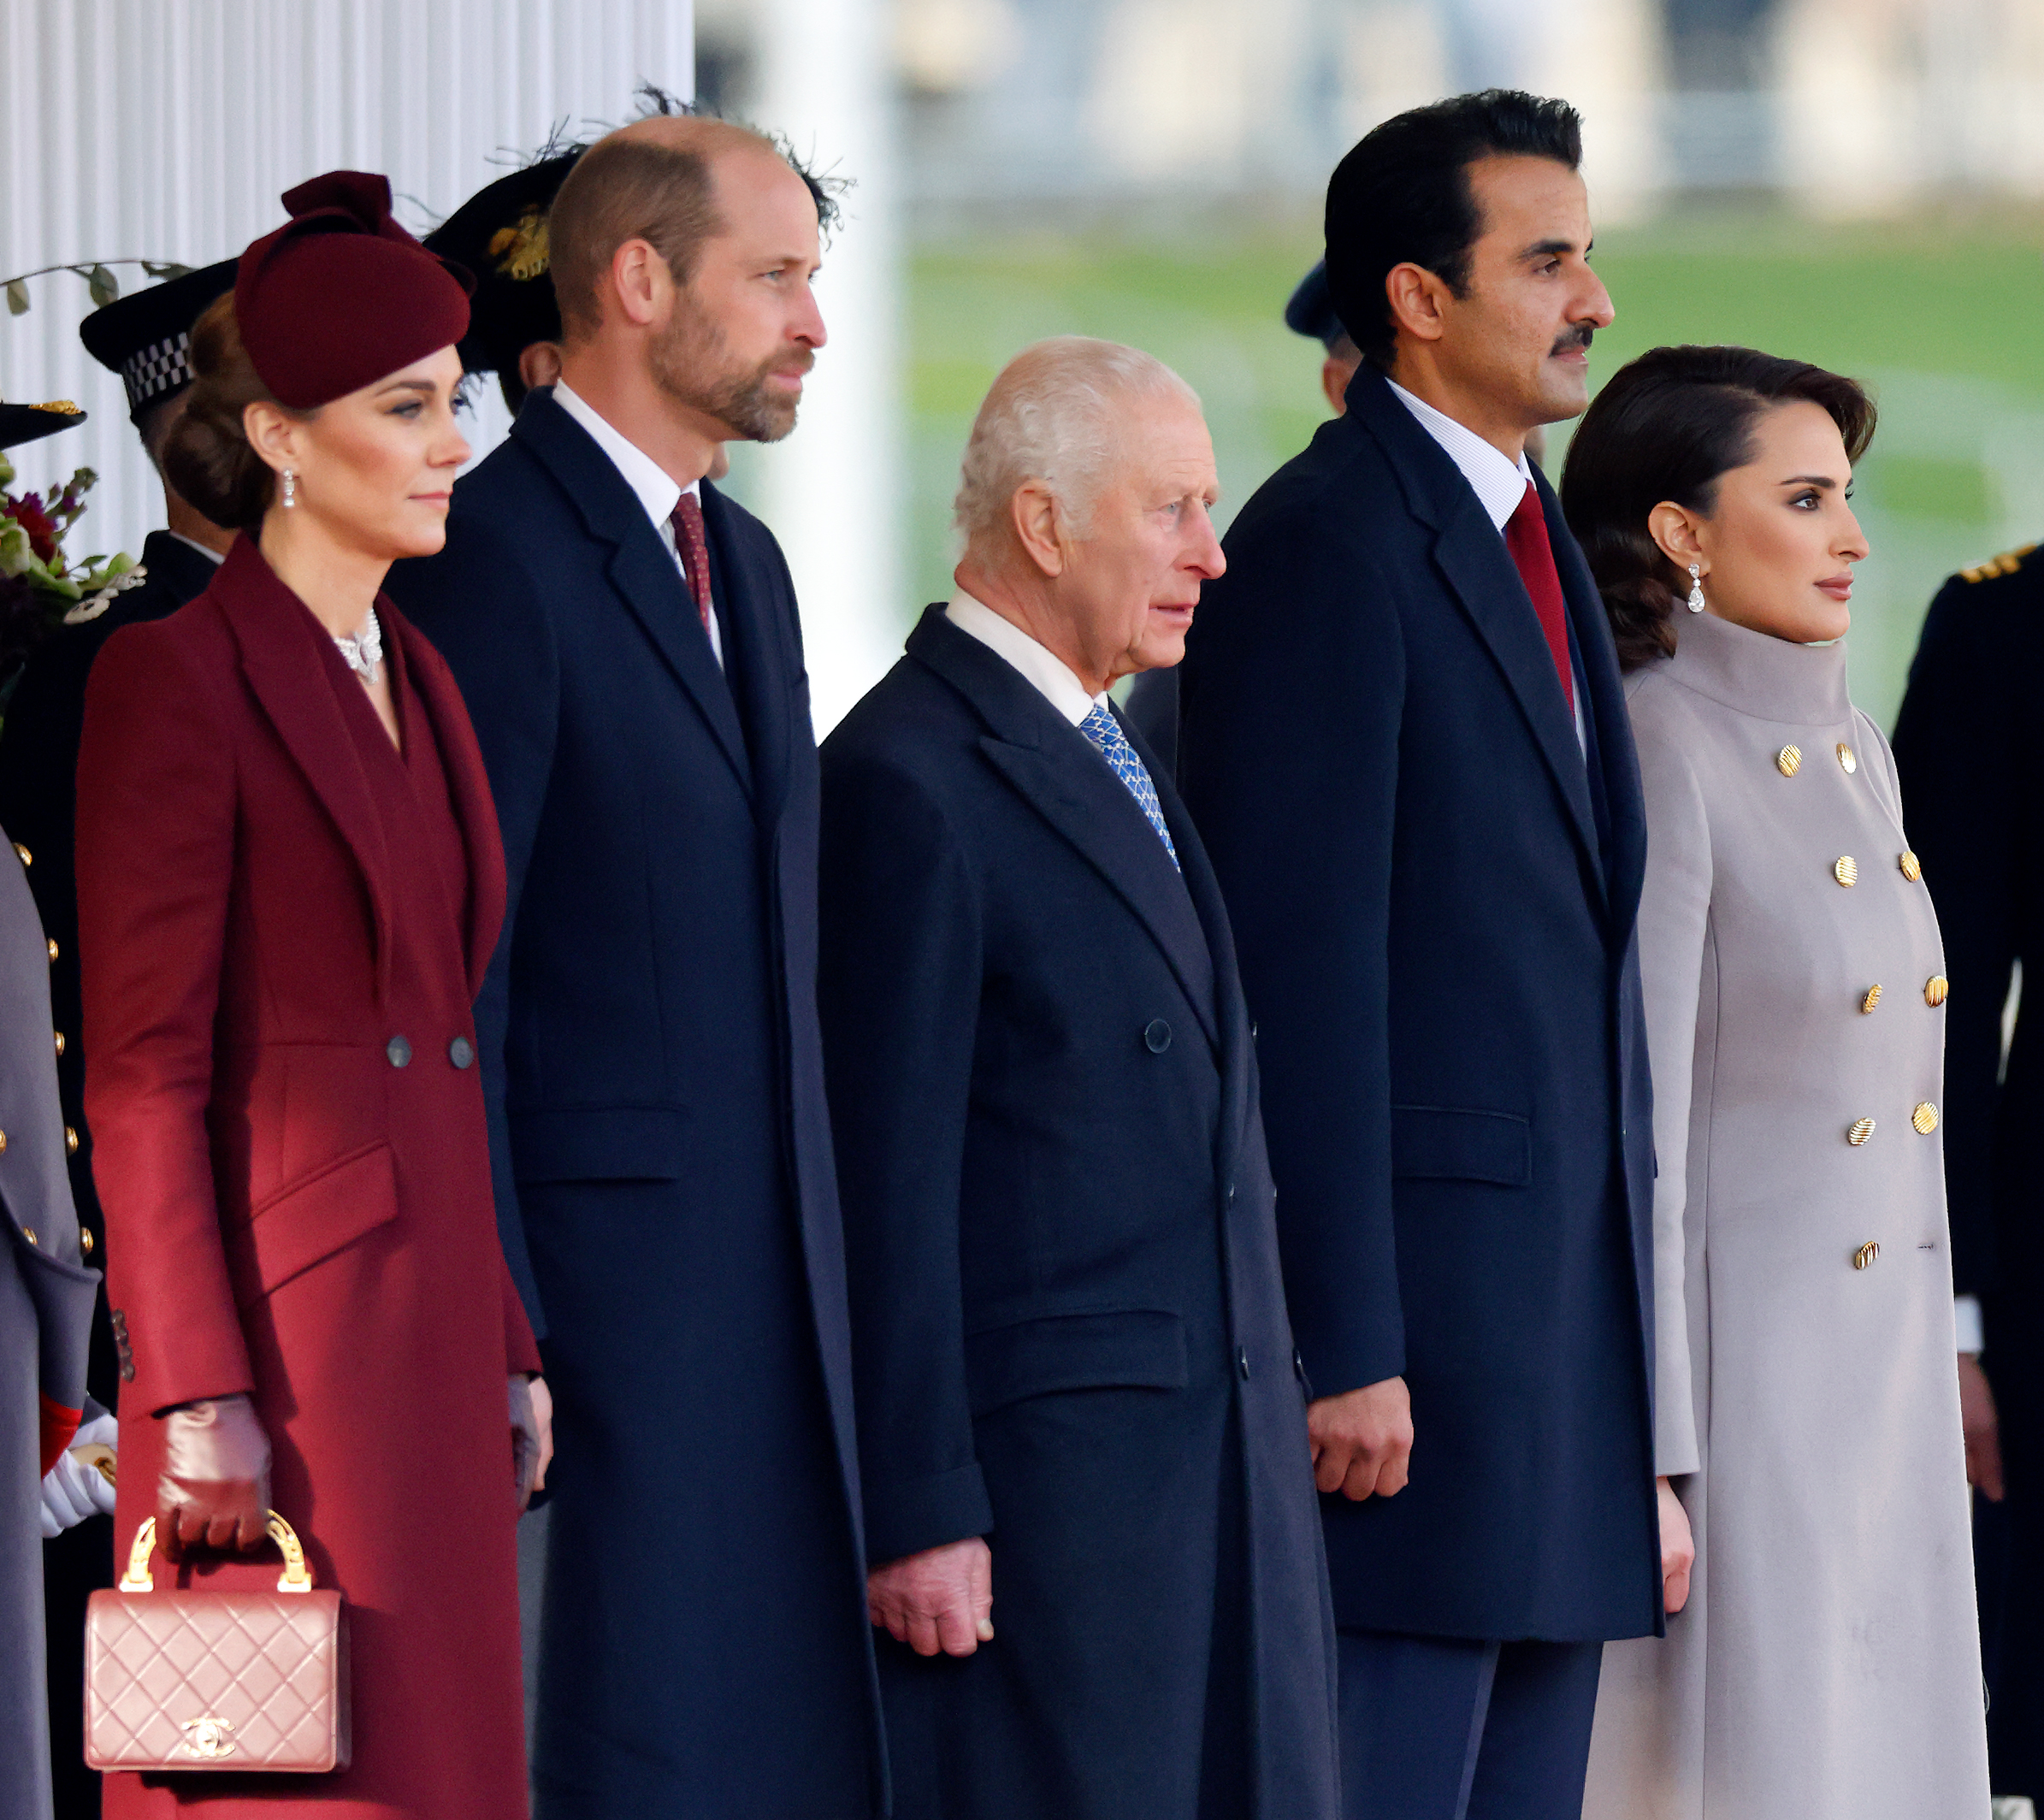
1479,570
1058,773
281,657
468,788
759,661
640,570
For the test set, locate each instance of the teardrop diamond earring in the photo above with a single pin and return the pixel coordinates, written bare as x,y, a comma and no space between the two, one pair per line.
291,494
1695,602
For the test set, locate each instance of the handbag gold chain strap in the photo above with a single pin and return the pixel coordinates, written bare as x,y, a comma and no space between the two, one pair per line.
297,1576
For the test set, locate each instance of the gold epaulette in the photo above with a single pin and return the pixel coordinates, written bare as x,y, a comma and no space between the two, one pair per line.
2006,564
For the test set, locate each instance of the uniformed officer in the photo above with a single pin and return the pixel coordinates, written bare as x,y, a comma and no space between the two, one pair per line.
144,338
46,1292
1153,698
1966,744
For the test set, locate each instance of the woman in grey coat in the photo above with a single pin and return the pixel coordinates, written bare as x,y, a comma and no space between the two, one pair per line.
46,1297
1826,1665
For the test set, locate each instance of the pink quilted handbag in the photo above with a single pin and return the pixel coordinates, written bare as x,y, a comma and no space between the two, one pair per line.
184,1680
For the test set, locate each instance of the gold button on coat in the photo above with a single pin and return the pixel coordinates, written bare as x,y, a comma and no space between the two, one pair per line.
27,858
59,1035
1925,1118
84,1240
53,949
1789,761
1866,1254
1858,1132
1912,867
1871,1000
1846,871
1846,759
28,1233
2,1144
1936,990
70,1141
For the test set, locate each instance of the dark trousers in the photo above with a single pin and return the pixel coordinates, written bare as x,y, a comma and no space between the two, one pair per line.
1437,1729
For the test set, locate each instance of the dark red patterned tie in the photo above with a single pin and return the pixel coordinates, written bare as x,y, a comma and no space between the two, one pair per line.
1526,537
694,547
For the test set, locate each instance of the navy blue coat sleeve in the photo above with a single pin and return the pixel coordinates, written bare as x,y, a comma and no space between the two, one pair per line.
480,612
899,990
1961,775
1288,759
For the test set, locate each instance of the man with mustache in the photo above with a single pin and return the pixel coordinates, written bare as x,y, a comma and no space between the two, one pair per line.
628,642
1431,841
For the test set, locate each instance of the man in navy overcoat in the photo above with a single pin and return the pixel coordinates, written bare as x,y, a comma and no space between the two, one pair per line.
628,644
1089,1498
1404,741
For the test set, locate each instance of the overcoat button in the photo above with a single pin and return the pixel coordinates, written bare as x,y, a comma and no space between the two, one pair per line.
1846,871
1872,999
2,1144
53,951
1859,1132
1241,1362
1912,867
1846,759
59,1035
85,1241
1925,1118
1298,1365
28,1233
26,857
1789,761
1866,1254
1156,1036
399,1050
1936,990
70,1140
461,1052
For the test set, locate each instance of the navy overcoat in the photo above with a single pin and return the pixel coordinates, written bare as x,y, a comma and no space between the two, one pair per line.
1067,1312
659,1140
1433,897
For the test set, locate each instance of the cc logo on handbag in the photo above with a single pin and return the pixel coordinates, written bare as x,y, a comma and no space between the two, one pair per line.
208,1737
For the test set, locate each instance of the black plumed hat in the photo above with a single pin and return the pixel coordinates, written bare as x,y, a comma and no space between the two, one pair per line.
499,234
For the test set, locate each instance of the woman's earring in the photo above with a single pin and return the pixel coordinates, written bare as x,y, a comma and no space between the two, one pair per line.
291,497
1696,574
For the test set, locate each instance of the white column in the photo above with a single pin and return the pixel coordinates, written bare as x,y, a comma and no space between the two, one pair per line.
831,491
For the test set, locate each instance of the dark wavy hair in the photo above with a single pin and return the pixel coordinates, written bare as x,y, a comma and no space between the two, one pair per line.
1403,194
1669,426
207,455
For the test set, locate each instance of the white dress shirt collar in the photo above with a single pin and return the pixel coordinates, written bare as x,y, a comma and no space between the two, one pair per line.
1052,676
655,486
212,556
1498,483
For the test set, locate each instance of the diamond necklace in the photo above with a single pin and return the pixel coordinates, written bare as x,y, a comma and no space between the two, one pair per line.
364,652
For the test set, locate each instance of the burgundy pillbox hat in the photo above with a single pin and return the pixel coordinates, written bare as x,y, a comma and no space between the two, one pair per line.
341,294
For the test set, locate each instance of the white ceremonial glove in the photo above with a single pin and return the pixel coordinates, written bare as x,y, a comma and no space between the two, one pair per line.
74,1490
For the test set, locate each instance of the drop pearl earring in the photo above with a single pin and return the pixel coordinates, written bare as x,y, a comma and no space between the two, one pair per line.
290,489
1695,602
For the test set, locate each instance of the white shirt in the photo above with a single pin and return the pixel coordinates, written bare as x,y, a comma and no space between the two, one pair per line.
1049,673
655,486
212,556
1498,483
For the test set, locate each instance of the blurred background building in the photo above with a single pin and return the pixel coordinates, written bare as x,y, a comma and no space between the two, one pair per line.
1860,182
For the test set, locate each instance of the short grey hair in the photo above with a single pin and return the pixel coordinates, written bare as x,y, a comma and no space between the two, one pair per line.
1051,417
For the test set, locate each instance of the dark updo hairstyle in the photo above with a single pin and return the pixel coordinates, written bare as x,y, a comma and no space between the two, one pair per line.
1669,426
207,456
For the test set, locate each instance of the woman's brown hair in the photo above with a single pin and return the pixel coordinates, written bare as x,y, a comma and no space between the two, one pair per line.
207,455
1669,426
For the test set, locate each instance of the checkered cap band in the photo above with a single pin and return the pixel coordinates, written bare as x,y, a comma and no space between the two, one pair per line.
163,366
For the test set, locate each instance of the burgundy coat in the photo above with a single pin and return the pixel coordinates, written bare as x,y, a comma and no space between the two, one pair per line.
291,1150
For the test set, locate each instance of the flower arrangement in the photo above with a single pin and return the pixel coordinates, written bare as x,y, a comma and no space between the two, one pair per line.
41,588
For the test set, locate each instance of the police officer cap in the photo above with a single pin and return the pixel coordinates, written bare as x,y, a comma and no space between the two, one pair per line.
499,234
1311,309
146,336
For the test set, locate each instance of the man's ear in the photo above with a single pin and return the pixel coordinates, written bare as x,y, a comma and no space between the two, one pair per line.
539,364
1419,300
1035,513
639,285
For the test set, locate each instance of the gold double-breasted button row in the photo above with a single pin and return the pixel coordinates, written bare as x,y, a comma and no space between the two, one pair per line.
1789,759
1924,1118
1846,870
70,1141
1936,990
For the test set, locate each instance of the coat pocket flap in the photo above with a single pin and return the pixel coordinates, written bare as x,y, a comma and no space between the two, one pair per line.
1125,1348
313,1218
1444,1143
598,1144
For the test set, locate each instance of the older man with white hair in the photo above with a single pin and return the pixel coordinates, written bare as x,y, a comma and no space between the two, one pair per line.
1089,1497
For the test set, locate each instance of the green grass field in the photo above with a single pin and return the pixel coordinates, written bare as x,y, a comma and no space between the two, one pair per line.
1945,318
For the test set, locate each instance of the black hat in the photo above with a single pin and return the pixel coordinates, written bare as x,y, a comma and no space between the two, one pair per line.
1310,310
499,234
146,336
20,423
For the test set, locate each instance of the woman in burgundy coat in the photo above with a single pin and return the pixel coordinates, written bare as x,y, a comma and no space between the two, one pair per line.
289,884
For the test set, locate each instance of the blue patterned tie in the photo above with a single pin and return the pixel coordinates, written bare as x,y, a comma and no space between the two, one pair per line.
1105,731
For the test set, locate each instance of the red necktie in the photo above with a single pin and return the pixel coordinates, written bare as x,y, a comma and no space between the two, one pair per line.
1526,537
695,548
